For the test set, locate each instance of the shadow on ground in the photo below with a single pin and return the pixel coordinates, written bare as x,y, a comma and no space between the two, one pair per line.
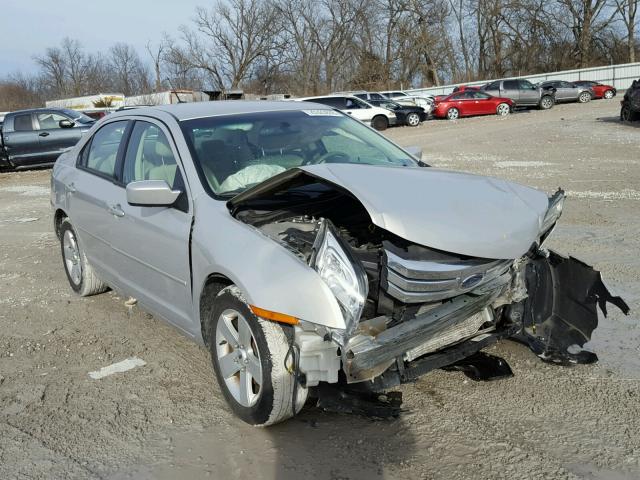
314,444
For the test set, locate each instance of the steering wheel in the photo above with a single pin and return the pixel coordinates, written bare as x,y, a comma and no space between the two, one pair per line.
333,157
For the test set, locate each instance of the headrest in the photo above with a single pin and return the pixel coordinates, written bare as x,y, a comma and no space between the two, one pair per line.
163,150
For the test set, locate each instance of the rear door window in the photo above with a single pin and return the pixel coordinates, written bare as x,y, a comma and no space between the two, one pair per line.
22,123
103,152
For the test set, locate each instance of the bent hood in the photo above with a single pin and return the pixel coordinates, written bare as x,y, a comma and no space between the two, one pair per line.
451,211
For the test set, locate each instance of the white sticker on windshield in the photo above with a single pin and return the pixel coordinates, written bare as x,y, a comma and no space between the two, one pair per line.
322,113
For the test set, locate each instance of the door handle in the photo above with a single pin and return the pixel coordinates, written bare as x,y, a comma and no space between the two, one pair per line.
71,188
115,210
43,134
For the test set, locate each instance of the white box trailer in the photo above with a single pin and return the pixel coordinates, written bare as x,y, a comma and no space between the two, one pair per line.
167,97
87,103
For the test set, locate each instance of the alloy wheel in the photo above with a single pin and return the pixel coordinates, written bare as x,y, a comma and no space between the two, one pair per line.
413,120
584,97
238,358
608,94
72,257
453,114
503,109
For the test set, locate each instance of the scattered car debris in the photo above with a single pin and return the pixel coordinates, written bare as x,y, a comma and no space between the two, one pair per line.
118,367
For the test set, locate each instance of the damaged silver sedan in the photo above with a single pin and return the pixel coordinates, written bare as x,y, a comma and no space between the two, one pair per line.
314,257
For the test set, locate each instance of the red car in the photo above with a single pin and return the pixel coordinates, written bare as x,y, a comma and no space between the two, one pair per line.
469,103
600,90
463,88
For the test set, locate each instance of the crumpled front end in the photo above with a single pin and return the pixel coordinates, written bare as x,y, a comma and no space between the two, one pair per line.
410,308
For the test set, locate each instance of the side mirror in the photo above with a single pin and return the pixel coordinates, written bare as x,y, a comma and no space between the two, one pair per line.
66,123
151,193
414,151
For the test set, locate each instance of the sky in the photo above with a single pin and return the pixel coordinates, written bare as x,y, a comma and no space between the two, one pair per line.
28,27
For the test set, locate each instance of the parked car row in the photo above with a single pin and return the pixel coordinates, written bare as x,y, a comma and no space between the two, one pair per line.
502,96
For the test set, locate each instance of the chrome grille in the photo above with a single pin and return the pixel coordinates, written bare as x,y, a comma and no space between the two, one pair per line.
419,281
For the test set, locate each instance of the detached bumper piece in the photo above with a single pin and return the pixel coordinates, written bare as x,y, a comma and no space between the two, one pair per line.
560,313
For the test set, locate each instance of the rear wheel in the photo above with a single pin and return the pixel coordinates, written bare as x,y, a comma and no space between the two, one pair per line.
453,114
546,102
248,355
80,274
380,123
413,119
608,94
584,97
503,109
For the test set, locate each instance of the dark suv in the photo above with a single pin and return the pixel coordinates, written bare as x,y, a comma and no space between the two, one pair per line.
630,104
522,92
37,137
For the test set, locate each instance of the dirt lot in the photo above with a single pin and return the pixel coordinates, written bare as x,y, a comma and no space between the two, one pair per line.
167,419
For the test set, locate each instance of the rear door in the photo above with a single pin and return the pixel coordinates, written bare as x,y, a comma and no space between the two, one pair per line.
566,90
21,139
91,189
358,109
151,244
53,138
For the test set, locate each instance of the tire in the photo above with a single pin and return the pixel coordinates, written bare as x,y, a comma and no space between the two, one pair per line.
266,401
413,120
546,102
503,109
608,94
628,115
80,273
380,123
584,97
453,114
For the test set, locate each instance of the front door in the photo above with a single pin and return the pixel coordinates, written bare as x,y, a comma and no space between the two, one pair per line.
151,244
529,93
53,138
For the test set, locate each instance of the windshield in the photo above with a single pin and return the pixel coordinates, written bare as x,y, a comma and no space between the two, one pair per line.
77,117
235,152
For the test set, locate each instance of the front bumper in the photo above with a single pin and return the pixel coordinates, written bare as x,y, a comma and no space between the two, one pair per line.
366,356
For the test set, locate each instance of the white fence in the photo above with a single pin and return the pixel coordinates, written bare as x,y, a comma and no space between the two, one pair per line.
620,76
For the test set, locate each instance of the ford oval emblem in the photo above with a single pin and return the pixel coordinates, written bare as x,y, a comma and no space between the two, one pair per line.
472,280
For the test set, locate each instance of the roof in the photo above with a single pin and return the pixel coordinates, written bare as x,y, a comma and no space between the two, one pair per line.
187,111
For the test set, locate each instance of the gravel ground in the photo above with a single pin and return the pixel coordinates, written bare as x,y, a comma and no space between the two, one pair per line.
167,419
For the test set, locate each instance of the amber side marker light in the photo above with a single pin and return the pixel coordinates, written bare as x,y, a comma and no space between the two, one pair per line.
273,316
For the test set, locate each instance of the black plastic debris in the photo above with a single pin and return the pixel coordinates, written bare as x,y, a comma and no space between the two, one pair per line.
482,367
338,399
561,311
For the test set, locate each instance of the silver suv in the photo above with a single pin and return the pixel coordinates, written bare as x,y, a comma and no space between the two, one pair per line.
522,92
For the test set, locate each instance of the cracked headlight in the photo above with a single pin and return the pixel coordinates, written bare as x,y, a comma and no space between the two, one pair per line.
342,273
556,203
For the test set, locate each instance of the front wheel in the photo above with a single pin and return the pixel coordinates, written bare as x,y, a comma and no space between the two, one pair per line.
608,94
584,97
453,114
80,274
413,119
380,123
546,102
503,109
248,355
627,115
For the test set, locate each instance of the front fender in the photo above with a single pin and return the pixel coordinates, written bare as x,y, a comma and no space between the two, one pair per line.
270,276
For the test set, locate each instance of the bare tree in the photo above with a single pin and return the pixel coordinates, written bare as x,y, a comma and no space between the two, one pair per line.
627,10
129,74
